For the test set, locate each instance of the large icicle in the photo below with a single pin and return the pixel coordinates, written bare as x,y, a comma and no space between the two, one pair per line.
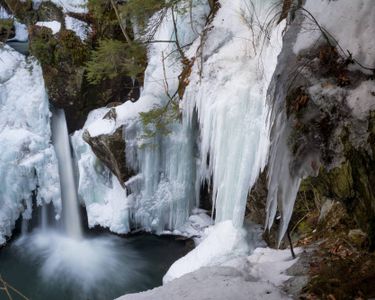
239,57
27,158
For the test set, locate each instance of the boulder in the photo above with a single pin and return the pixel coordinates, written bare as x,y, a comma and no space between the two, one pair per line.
110,149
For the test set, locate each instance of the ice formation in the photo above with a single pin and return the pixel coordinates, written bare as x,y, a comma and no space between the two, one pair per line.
105,199
27,158
224,129
162,195
229,95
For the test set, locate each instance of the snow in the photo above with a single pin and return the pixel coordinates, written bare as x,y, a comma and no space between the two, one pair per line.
362,99
74,6
223,242
350,23
27,158
22,34
270,264
81,28
212,283
102,126
53,25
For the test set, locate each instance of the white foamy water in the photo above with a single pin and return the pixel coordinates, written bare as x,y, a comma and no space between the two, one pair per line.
72,221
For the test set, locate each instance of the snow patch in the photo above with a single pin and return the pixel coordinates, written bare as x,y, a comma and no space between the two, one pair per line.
81,28
55,26
362,99
350,23
22,33
74,6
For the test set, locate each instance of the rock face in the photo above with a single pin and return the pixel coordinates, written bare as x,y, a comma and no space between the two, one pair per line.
329,105
110,149
63,56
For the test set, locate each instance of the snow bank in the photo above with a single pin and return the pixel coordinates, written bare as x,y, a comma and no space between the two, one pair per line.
258,276
212,283
27,158
223,242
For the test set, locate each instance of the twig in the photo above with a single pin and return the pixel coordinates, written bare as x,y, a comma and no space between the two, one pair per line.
123,29
6,290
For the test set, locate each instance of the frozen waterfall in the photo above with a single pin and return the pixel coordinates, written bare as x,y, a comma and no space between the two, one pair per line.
223,135
27,159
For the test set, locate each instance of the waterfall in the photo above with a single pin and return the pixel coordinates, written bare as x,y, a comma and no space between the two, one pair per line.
60,137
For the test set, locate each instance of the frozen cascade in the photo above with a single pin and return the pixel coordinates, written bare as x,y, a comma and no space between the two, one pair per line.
162,194
27,158
225,119
230,97
61,143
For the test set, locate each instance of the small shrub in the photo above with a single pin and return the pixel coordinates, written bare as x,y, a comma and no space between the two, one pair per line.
115,58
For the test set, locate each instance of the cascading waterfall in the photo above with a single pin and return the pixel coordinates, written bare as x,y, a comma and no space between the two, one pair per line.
68,264
71,217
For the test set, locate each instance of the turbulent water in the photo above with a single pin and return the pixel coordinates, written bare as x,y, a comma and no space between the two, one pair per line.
57,261
50,265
